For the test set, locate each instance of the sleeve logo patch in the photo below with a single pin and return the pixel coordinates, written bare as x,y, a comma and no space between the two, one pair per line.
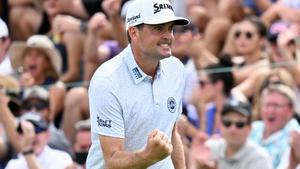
103,123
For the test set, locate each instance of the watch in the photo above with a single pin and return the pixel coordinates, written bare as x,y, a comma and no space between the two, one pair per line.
28,152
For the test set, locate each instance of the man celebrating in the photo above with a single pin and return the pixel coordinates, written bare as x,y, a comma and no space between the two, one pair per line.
131,98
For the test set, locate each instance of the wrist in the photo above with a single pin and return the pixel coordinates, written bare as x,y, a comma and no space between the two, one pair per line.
143,156
29,151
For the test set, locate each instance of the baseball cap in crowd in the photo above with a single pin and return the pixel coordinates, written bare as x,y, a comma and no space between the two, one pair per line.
275,29
36,92
37,97
152,12
42,42
238,107
40,125
3,29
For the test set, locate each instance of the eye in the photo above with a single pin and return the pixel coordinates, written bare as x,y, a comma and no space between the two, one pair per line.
158,28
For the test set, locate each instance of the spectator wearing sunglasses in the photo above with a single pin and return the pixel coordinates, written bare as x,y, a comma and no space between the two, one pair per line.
215,88
233,151
249,38
277,110
35,153
35,101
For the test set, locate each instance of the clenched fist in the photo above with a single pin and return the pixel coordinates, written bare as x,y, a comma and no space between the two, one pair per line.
158,146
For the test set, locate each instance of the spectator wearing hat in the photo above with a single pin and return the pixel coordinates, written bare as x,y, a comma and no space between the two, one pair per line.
35,102
40,64
5,63
233,150
38,58
35,153
277,110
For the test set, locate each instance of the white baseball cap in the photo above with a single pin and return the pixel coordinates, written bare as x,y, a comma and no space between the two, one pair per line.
152,12
3,29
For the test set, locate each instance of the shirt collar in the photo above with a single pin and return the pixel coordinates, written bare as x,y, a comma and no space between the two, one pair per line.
135,71
237,156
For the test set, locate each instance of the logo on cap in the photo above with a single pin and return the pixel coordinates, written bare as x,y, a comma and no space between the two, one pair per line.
133,18
159,7
171,104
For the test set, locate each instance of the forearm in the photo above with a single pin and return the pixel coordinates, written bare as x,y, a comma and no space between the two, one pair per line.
178,152
263,4
294,69
118,30
74,45
18,2
56,100
270,15
10,124
73,7
128,160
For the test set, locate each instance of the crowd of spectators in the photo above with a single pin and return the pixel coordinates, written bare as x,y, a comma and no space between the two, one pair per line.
242,70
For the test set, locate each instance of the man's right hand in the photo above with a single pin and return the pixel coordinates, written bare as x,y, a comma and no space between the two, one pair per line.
158,147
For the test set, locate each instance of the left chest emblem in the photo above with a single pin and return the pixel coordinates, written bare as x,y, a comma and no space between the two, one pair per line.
171,103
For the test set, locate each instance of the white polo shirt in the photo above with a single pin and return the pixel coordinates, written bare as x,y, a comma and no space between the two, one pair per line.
48,159
127,103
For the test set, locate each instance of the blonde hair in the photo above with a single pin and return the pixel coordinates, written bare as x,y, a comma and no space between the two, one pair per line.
284,78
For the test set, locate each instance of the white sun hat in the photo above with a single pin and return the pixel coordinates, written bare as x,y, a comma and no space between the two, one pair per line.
42,42
152,12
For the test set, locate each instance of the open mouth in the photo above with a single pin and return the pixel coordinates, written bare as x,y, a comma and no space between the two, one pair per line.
271,119
32,68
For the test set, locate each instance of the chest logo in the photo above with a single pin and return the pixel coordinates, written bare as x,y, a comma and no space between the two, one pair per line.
171,103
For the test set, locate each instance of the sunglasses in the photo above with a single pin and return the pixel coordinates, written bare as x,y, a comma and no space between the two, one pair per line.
238,124
247,34
37,105
202,83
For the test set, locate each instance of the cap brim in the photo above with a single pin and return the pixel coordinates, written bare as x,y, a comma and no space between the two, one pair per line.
237,110
176,20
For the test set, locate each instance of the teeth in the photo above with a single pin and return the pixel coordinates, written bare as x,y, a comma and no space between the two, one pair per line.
164,45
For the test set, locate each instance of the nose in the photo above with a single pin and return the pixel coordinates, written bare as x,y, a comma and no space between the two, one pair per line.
168,34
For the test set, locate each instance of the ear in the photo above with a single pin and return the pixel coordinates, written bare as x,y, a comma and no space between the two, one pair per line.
133,32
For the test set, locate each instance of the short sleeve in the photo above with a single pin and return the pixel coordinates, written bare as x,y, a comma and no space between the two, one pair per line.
105,108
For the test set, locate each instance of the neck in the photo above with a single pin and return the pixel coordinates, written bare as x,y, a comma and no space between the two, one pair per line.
253,57
39,80
146,63
231,150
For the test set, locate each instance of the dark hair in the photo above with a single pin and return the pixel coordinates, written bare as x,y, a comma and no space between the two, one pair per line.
225,76
259,25
140,26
